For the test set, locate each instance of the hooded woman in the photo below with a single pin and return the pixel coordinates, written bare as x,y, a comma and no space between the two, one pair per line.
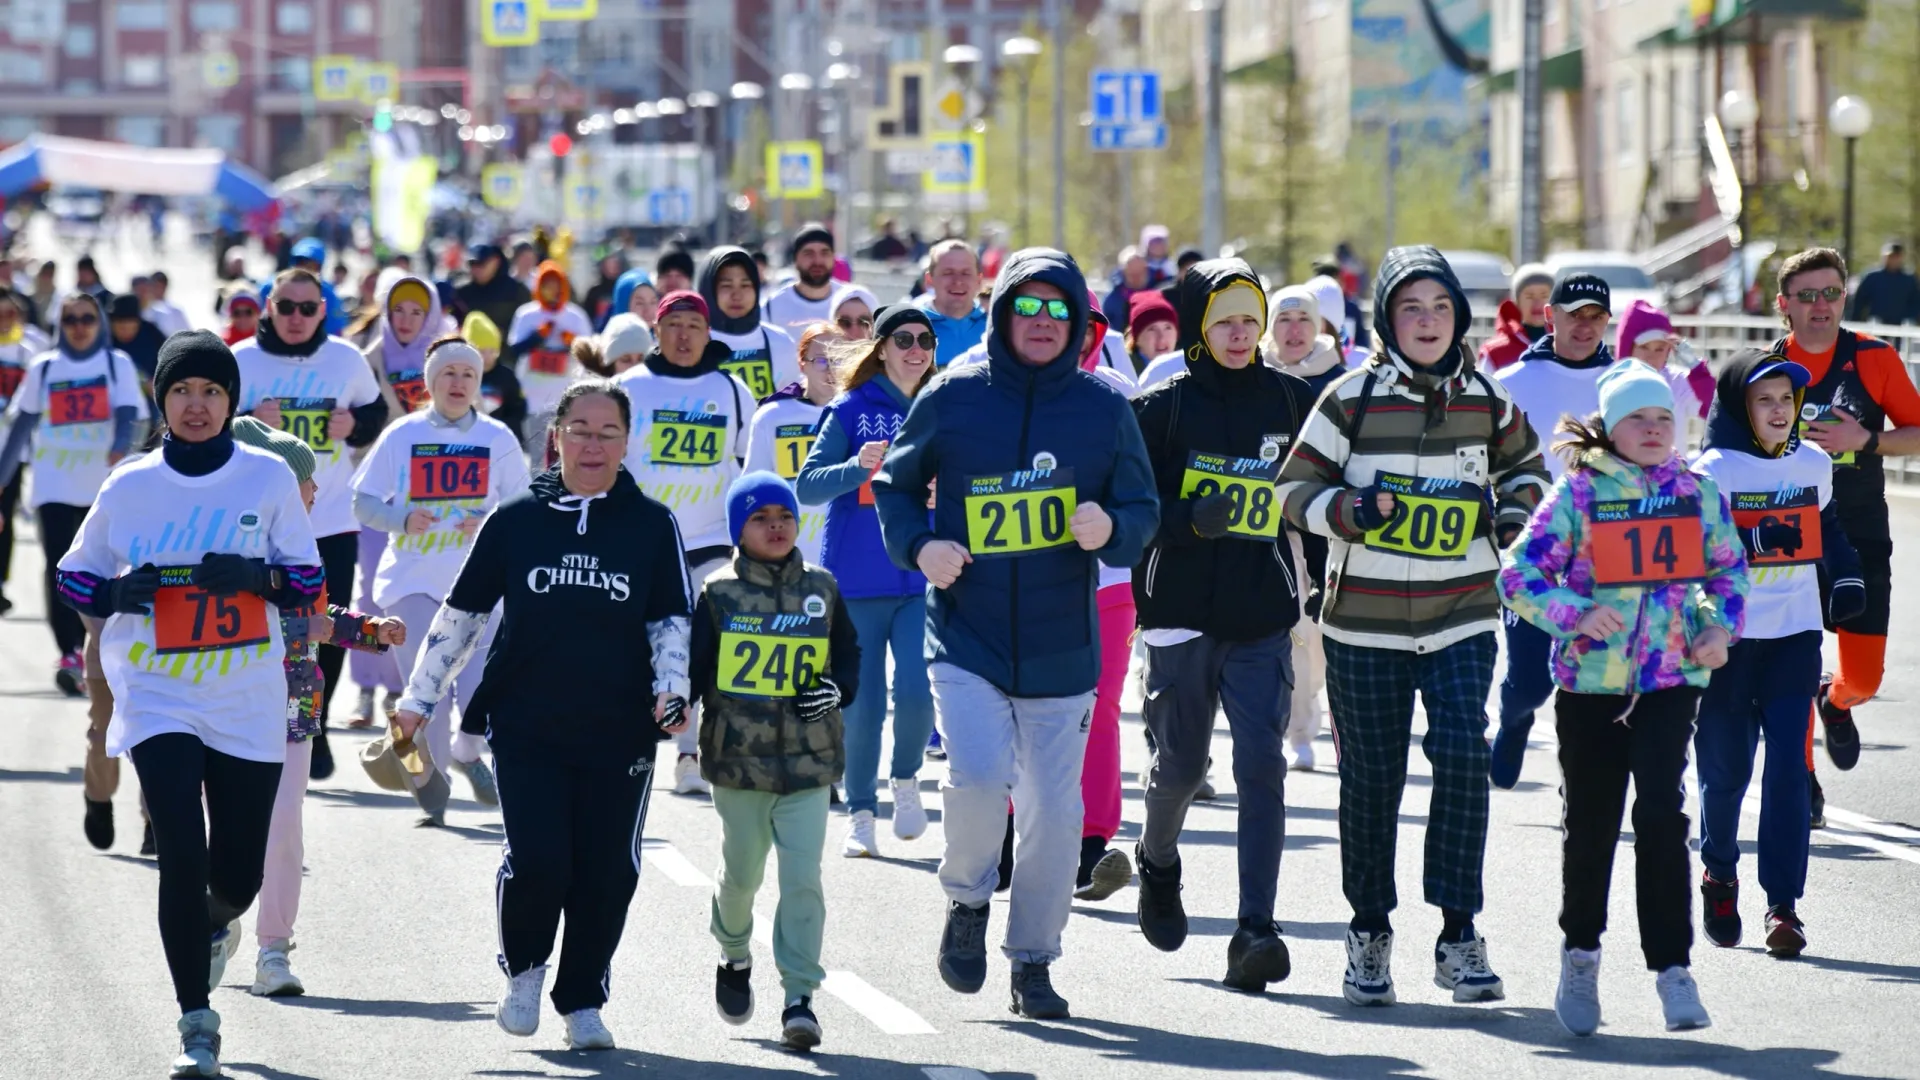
1522,319
764,355
241,306
540,343
633,294
1295,343
409,320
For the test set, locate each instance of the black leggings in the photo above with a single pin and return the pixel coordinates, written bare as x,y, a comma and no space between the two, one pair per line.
210,867
338,554
59,524
9,499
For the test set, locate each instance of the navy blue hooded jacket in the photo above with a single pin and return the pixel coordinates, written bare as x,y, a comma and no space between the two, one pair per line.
1028,624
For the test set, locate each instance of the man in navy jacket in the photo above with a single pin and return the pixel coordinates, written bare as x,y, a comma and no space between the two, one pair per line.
1040,470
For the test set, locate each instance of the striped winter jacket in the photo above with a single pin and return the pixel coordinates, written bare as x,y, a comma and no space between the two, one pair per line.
1458,435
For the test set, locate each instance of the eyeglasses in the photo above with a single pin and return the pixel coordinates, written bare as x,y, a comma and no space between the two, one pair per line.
307,308
907,339
847,322
1029,306
79,320
1830,294
580,436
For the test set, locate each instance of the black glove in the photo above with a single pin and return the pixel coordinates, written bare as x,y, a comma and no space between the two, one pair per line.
670,715
225,575
1506,535
1315,595
1846,600
817,701
1211,515
132,592
1771,535
1366,509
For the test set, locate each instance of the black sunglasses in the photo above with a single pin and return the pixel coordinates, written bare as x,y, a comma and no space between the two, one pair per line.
307,308
79,320
906,339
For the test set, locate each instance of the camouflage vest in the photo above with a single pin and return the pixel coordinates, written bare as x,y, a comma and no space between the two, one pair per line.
773,625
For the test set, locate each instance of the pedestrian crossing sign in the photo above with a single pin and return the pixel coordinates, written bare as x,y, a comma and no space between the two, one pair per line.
566,10
220,70
959,165
795,170
378,82
500,185
335,78
506,23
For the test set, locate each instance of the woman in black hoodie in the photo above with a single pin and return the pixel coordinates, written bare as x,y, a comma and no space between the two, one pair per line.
1216,598
764,355
591,582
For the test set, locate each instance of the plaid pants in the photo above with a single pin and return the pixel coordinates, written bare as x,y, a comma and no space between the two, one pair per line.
1371,692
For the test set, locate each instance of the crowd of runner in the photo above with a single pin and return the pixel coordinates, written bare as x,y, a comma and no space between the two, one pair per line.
722,508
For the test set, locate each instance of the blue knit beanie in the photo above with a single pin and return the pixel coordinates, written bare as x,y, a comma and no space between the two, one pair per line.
1630,385
753,491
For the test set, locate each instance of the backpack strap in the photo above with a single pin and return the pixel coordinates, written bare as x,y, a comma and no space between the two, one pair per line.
1360,408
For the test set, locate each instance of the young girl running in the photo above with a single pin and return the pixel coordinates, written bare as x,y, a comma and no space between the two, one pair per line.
1632,565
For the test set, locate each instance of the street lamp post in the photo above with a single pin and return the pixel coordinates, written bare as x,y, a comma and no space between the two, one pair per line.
1020,54
965,62
1737,113
1850,118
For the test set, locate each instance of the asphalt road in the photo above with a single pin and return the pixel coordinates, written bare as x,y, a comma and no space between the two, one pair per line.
396,939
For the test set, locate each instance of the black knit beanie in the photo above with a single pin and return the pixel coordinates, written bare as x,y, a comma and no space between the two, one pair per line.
197,354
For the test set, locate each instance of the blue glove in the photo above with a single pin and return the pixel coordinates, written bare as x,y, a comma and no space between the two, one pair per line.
1366,509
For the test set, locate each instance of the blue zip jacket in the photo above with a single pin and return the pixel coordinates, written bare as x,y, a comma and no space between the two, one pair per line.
1028,624
852,549
952,337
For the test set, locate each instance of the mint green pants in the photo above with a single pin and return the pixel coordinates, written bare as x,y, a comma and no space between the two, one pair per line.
795,825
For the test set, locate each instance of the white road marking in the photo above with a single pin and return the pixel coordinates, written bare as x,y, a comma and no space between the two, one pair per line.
1844,827
667,859
950,1072
886,1014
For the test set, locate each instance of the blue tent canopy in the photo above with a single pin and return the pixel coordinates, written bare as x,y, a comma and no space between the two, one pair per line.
135,169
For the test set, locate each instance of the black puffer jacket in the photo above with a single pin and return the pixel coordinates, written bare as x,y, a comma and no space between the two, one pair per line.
1244,421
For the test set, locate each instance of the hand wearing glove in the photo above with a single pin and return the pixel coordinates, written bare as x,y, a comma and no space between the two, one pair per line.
1771,536
1846,600
132,592
1315,597
1211,515
1372,508
225,575
669,713
817,701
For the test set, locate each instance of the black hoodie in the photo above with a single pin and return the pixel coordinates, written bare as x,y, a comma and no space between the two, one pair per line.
1204,428
708,281
571,671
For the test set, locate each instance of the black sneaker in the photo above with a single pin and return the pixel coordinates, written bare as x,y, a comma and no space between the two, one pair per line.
1256,956
733,991
147,847
1103,870
1006,858
6,605
963,947
1162,918
1786,934
99,824
1205,792
1720,911
799,1028
1033,994
322,765
1842,736
1818,818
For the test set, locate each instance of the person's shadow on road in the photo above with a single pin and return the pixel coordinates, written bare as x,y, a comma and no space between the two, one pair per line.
1130,1043
630,1063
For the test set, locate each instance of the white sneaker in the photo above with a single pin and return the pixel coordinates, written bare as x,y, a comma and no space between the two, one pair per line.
1577,1003
1680,1000
272,975
199,1045
586,1031
519,1011
909,817
1303,757
225,943
687,779
1369,977
1462,968
481,777
860,843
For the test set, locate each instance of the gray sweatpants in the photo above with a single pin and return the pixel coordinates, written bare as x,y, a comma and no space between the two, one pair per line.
1029,750
1253,681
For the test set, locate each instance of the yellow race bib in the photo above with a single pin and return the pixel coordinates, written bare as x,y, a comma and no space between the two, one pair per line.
1017,513
756,371
1811,414
771,656
686,438
1247,481
306,419
1432,518
791,445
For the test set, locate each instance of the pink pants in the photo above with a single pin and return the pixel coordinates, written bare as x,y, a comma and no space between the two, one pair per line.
279,902
1100,777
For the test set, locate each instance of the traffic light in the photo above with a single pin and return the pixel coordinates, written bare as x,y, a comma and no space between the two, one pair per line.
383,116
561,144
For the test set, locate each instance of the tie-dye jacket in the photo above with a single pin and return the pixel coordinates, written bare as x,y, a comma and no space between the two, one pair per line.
1547,578
305,683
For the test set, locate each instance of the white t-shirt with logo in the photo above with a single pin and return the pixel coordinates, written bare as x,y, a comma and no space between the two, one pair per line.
793,312
203,665
778,441
688,441
1783,597
764,360
76,400
452,474
308,389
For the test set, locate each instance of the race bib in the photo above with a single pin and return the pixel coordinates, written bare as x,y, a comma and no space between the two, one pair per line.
771,656
754,369
1246,481
1432,518
1801,509
791,445
10,378
306,419
441,471
1651,541
1016,513
78,401
410,388
686,438
1811,414
548,361
189,619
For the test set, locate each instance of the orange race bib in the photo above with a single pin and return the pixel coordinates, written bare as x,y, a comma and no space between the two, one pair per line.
548,361
1801,509
441,471
1651,541
78,401
10,378
189,619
